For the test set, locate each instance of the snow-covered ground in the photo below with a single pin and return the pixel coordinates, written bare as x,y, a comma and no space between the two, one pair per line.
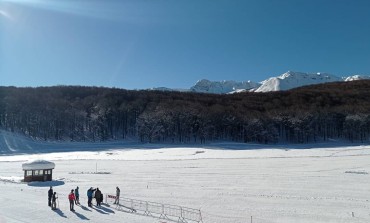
228,182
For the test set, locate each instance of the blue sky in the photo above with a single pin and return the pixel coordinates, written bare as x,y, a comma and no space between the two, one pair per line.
138,44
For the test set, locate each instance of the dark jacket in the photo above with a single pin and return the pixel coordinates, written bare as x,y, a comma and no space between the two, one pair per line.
98,195
50,193
77,194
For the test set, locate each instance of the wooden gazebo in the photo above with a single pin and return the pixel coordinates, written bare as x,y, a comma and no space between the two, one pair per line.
38,170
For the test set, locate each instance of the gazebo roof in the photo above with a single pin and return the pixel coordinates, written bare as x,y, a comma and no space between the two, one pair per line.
38,165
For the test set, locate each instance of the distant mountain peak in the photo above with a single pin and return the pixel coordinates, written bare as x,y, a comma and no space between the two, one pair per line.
356,77
285,81
292,79
222,87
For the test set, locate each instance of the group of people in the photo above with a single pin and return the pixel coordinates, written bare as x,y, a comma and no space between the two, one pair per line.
94,193
74,197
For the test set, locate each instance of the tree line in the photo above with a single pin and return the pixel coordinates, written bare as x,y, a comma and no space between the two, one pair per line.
77,113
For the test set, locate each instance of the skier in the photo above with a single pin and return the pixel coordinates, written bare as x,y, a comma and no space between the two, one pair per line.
118,191
53,203
98,196
90,196
71,198
77,195
50,194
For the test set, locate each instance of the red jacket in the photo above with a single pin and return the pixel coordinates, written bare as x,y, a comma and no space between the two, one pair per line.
71,196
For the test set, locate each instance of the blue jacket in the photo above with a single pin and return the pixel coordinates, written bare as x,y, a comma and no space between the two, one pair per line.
90,192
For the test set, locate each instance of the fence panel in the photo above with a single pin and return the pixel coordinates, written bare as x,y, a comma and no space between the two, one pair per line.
191,214
173,212
155,208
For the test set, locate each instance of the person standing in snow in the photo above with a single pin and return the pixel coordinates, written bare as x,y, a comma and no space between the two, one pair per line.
90,196
77,195
98,196
71,198
118,192
50,194
101,198
53,201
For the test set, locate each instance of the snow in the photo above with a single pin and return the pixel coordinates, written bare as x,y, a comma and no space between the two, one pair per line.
38,165
222,87
356,77
292,79
286,81
228,182
168,89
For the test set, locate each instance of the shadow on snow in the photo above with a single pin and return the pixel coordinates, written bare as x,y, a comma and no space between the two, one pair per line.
84,208
58,211
81,216
107,210
53,183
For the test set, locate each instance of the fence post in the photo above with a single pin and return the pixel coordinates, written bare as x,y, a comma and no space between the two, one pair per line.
251,219
182,216
200,215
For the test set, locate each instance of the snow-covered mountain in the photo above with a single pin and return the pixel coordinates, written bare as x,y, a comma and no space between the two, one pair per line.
222,87
286,81
292,79
168,89
357,77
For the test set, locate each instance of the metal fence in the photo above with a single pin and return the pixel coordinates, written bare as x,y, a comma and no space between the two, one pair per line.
158,210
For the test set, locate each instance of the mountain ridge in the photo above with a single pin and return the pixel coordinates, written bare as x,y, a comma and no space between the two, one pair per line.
285,81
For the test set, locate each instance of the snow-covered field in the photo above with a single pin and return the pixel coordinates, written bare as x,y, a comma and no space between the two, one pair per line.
229,183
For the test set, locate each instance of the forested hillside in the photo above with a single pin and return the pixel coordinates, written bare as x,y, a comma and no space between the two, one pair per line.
309,114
